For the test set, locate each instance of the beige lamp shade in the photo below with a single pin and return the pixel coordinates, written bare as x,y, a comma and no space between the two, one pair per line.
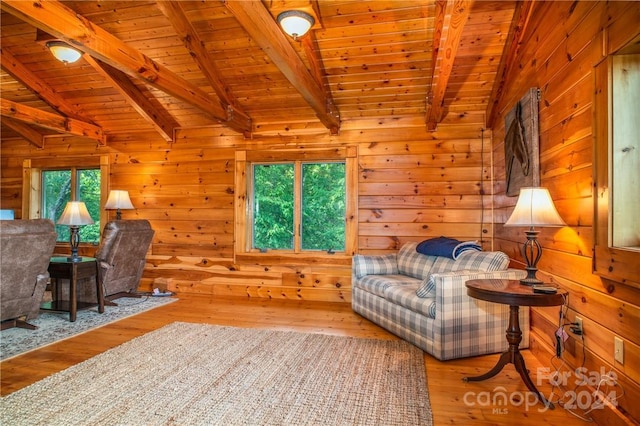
63,52
535,208
75,214
295,23
118,199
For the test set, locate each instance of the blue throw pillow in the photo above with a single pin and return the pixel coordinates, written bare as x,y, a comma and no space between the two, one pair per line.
446,247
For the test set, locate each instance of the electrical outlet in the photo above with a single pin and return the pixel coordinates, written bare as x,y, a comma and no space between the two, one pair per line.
618,349
577,329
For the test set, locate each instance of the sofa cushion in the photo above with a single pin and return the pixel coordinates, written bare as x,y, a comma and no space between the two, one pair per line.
406,296
428,286
375,265
486,261
414,264
378,284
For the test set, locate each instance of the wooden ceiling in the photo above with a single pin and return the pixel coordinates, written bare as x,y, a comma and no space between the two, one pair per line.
169,64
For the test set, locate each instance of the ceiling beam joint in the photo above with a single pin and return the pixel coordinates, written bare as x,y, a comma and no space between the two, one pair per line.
47,120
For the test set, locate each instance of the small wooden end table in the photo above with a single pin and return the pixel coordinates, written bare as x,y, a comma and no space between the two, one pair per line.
514,294
62,267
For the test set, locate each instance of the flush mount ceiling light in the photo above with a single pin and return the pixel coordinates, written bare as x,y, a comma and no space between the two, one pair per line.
295,23
63,52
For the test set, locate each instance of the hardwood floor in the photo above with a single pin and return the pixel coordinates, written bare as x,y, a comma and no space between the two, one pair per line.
452,400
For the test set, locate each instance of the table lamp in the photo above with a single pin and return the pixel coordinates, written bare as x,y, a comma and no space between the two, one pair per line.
118,199
74,215
533,208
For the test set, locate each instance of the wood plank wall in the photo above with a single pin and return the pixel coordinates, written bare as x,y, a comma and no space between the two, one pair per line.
558,56
413,184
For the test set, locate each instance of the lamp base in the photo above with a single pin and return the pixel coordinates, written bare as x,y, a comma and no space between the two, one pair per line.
531,251
74,259
531,281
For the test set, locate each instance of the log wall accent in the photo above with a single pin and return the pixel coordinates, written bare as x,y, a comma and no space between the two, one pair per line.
559,56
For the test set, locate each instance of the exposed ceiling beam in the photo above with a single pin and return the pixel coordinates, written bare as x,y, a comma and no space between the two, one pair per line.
143,102
40,118
519,22
18,71
310,45
62,22
438,24
456,14
175,14
30,135
264,31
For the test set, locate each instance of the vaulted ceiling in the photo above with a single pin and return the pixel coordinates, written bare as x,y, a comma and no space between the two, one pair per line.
170,64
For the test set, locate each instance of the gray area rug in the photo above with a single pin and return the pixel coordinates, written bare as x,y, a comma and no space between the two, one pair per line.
199,374
55,326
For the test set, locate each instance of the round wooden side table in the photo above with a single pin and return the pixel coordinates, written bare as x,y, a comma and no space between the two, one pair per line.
514,294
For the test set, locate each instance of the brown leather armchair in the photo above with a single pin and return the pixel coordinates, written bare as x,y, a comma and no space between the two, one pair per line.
25,249
121,256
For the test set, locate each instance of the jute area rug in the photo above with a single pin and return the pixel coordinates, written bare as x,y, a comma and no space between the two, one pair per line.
198,374
55,326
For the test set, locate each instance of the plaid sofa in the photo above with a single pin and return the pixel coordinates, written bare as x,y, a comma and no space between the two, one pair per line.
423,299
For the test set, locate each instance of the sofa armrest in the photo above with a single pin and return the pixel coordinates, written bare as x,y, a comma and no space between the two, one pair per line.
450,289
465,326
385,264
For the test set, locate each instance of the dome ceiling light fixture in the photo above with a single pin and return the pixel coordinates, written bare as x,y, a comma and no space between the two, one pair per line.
295,23
63,52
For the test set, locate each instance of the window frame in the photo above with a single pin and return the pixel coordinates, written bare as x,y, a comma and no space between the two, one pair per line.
32,184
620,264
243,204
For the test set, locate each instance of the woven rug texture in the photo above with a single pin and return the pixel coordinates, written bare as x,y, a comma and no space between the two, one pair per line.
55,326
199,374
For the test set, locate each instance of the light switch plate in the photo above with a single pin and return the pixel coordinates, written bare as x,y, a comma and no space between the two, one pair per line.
618,349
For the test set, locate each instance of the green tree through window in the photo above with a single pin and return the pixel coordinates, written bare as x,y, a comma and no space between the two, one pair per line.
307,196
61,186
273,206
323,206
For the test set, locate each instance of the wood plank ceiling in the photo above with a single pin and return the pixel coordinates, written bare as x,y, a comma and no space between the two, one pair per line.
164,65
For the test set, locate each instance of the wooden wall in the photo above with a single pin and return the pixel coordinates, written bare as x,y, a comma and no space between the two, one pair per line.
558,56
413,184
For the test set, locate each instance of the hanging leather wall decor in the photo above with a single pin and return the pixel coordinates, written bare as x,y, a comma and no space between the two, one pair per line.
521,151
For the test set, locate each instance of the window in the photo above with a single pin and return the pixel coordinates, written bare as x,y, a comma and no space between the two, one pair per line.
50,182
296,204
625,151
617,166
62,185
317,187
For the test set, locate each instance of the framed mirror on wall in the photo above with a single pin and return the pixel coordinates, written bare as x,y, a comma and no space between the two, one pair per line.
617,166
